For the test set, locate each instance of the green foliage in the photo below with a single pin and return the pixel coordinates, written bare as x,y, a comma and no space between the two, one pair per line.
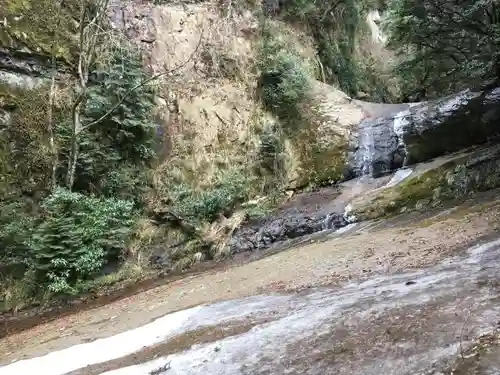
76,235
115,153
284,80
70,240
221,197
129,128
67,237
444,45
337,57
336,26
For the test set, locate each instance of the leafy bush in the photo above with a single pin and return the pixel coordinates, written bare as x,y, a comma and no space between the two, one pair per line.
77,235
114,152
284,80
206,204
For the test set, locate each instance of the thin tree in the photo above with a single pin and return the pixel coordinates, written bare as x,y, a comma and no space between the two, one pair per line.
92,28
50,113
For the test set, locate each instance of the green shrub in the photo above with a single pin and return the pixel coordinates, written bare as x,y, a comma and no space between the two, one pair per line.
271,158
232,188
77,235
284,81
114,152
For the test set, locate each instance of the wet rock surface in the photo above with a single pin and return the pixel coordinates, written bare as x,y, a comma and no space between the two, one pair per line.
306,213
417,132
403,324
456,177
386,325
379,149
452,123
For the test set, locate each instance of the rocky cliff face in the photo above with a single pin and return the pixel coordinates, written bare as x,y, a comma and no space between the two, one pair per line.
398,135
208,108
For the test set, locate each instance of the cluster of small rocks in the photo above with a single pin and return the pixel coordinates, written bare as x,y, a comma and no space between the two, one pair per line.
262,234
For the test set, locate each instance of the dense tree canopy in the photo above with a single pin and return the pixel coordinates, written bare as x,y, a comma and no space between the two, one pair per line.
444,45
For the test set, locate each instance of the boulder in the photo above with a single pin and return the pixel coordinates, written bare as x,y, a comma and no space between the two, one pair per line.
450,124
304,214
396,135
262,234
455,177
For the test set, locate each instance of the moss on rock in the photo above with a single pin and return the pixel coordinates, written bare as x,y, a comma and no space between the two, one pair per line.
455,180
322,157
41,26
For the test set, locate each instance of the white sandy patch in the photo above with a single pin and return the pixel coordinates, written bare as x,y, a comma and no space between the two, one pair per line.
123,344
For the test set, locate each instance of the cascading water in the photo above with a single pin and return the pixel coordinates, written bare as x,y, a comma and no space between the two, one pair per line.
400,122
364,166
366,149
364,160
379,139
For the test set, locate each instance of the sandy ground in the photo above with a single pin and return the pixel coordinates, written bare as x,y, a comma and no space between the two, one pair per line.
387,248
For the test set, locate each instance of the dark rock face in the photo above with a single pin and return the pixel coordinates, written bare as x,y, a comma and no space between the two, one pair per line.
450,124
29,64
379,150
262,234
426,130
307,213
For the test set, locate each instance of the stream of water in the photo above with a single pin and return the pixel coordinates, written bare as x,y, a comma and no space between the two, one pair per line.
365,150
394,325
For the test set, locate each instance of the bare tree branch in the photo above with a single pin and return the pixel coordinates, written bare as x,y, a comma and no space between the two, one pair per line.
90,33
143,83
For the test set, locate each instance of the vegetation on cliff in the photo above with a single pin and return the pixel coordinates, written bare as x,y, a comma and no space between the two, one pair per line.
91,181
444,46
342,37
81,184
62,222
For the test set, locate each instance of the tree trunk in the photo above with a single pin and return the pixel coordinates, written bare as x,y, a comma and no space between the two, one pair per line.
50,126
75,147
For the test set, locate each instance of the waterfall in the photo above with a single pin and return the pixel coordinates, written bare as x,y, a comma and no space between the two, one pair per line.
366,149
400,123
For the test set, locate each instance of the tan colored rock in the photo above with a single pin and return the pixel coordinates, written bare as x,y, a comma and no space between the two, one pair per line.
211,108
